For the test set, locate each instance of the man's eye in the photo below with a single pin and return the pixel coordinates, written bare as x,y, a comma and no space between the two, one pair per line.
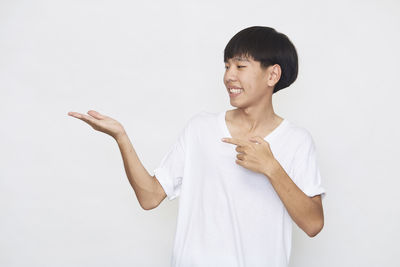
240,66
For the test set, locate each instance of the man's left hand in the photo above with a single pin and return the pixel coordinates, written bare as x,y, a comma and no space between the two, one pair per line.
255,154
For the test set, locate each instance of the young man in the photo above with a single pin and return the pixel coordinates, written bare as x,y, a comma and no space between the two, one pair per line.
238,196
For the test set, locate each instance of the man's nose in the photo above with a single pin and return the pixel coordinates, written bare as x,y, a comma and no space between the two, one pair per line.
230,75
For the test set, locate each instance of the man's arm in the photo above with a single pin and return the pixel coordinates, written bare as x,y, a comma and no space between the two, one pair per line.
148,190
307,212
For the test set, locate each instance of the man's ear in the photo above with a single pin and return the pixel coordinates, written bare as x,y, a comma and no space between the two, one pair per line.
274,74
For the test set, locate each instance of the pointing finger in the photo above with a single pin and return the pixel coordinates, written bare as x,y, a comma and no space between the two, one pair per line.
234,141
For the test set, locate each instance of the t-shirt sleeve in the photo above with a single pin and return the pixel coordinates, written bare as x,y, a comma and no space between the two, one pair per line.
170,171
306,173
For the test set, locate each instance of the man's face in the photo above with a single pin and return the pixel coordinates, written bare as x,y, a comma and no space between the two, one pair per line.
247,74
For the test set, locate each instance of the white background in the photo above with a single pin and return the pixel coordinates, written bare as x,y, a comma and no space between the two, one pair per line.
64,196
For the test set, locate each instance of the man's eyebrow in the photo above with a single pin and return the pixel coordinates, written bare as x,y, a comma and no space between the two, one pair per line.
241,59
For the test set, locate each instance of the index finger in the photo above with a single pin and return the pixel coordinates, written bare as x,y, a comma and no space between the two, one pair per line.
234,141
83,117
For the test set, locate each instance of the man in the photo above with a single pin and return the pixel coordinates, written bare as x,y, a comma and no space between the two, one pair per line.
242,175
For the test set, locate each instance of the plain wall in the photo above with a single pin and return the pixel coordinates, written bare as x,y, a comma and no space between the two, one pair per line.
64,197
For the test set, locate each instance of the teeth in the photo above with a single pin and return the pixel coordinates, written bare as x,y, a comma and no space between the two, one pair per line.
235,91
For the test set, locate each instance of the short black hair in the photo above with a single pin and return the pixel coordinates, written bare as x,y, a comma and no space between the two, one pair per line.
269,47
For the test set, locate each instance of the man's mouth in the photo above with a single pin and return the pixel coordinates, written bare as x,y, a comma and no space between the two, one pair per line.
235,91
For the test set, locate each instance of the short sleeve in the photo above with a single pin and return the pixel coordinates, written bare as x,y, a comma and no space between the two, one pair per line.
170,171
306,173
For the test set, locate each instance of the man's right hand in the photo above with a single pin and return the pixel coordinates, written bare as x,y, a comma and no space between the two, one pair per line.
101,123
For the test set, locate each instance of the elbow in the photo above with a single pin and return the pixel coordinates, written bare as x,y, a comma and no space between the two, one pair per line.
147,206
148,203
316,228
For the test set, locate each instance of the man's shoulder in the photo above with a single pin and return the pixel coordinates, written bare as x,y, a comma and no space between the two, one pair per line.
205,114
297,133
202,117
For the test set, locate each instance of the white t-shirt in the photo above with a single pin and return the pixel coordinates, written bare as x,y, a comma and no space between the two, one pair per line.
228,215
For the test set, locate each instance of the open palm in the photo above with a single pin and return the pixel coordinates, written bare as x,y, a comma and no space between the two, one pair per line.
100,122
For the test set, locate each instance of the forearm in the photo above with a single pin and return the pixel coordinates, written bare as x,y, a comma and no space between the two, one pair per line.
306,213
141,181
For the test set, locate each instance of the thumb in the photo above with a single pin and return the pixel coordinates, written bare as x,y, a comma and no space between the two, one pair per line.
257,139
96,114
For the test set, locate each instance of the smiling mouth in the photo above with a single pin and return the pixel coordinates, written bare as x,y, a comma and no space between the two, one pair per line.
234,91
